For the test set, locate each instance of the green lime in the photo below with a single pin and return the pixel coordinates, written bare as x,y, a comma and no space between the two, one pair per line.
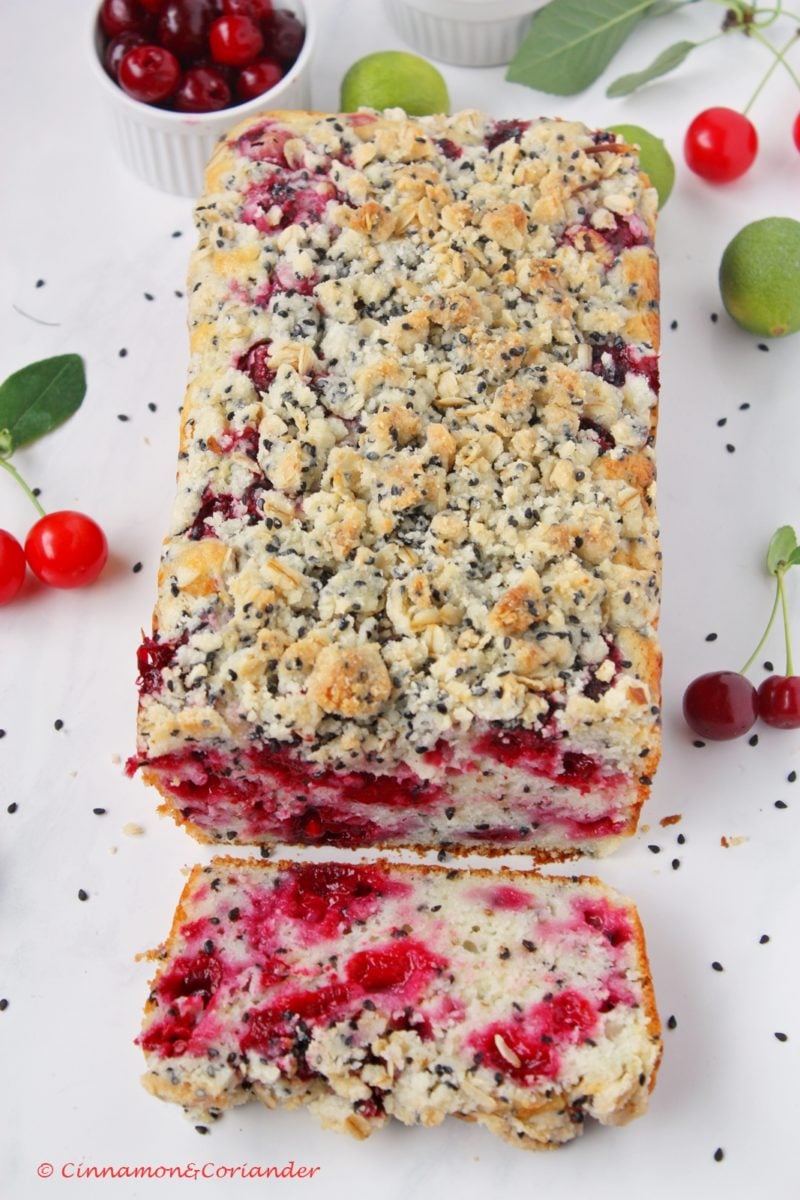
654,158
759,277
394,79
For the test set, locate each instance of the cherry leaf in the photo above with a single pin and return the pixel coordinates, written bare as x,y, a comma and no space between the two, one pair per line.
39,397
666,61
782,547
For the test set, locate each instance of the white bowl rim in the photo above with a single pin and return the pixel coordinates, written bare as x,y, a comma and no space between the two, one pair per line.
221,118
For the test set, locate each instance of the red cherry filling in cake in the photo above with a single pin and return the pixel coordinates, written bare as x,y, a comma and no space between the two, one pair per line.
377,991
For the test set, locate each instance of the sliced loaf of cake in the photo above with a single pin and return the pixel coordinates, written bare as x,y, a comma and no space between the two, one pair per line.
519,1001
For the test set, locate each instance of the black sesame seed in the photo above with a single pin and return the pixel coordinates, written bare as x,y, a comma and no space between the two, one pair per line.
2,733
654,849
722,421
768,666
681,839
99,812
792,776
717,966
152,406
123,353
672,1023
58,724
730,448
782,1037
123,417
719,1154
763,346
762,941
40,283
137,566
82,894
13,806
36,491
753,741
781,804
177,233
673,324
711,637
715,317
149,296
201,1128
698,744
676,862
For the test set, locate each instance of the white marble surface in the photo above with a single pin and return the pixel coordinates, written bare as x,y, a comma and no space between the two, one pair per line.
99,240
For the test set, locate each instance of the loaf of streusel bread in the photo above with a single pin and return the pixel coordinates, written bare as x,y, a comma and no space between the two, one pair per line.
410,588
365,992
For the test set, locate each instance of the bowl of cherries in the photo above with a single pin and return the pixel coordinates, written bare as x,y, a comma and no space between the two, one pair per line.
177,74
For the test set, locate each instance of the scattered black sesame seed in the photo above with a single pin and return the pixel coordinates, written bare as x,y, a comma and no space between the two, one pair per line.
137,566
768,666
711,637
99,812
673,324
82,894
782,1037
753,741
781,804
762,941
178,294
201,1128
719,1154
730,448
123,417
149,296
681,839
654,849
676,862
13,806
698,744
123,353
177,233
722,421
717,966
58,724
791,777
763,346
672,1023
152,406
40,283
744,407
3,1004
36,491
715,317
2,733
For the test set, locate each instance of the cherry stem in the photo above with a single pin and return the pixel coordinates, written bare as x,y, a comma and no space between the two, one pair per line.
779,60
16,475
766,633
787,635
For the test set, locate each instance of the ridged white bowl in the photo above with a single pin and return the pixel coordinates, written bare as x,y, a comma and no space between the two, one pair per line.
467,33
169,150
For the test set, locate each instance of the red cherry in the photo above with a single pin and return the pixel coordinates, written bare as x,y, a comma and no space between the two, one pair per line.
153,6
720,705
720,144
66,549
284,36
257,78
12,567
259,10
796,131
235,41
183,27
202,89
118,48
779,701
122,16
149,73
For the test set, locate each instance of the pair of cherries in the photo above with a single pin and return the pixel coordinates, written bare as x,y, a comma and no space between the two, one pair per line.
63,549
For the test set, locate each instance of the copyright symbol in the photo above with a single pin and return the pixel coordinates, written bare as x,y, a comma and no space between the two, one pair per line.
44,1170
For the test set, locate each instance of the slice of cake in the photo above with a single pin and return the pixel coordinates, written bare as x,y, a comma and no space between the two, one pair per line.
410,588
365,992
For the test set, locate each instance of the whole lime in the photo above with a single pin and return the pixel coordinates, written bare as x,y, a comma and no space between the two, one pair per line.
654,158
759,277
394,79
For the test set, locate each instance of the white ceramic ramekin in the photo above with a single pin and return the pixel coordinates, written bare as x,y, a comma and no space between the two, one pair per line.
468,33
169,150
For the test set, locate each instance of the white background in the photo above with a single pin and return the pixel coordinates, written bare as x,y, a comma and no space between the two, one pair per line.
71,216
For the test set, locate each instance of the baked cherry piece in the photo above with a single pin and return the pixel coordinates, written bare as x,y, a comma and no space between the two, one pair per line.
235,41
118,47
149,73
720,144
66,549
284,37
779,701
202,89
122,16
720,705
257,78
12,567
183,27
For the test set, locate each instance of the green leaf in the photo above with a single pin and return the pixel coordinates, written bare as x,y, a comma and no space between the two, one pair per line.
782,546
39,397
662,8
571,42
666,61
794,557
